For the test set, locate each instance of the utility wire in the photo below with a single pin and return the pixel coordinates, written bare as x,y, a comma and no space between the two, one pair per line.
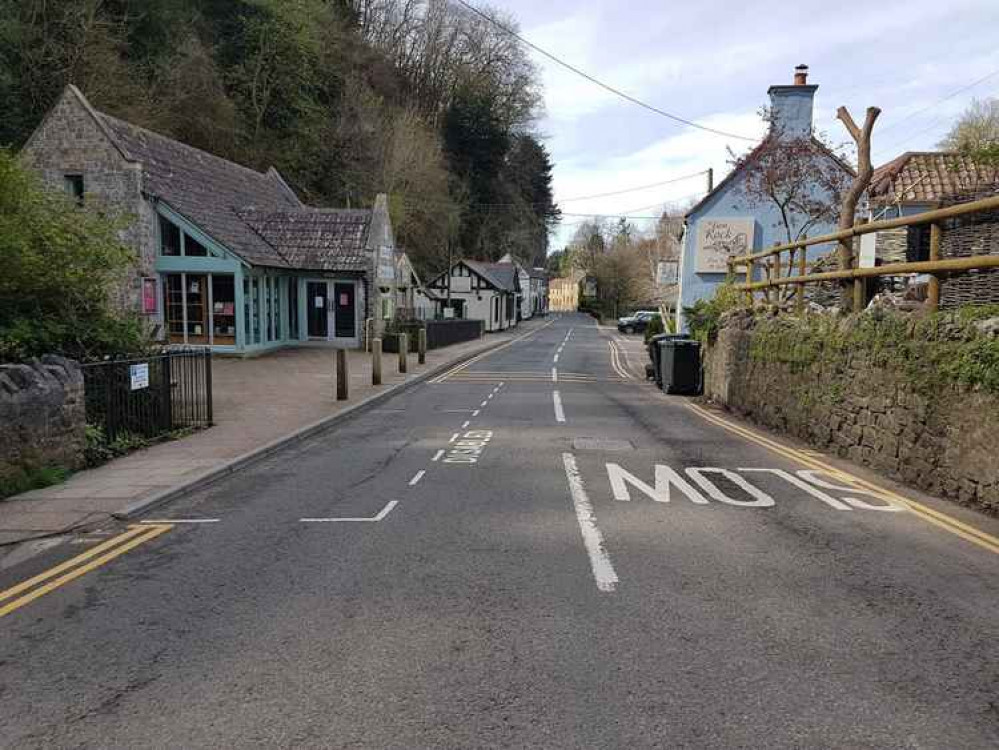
596,81
951,95
634,189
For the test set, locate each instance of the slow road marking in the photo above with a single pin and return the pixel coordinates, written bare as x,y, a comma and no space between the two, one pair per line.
930,515
600,562
72,569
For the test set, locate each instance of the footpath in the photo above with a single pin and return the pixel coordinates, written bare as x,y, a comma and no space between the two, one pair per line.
259,405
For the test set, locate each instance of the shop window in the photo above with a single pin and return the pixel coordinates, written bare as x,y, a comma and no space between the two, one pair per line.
173,307
278,284
224,310
169,238
269,306
255,311
196,305
293,330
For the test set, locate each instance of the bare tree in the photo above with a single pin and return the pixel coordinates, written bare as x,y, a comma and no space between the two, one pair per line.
865,170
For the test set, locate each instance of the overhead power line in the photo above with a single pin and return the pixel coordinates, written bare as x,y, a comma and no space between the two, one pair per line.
938,102
596,81
634,189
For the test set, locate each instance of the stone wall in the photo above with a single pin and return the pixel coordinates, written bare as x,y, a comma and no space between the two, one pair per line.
42,419
864,408
71,142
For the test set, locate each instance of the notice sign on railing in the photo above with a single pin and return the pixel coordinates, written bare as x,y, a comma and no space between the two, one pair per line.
139,375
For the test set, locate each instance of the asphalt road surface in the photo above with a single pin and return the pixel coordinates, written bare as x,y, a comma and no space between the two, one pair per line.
514,577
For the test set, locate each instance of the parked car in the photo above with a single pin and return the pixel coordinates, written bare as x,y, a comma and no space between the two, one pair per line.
638,322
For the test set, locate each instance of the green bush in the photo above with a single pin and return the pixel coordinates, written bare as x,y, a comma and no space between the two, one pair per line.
60,264
654,327
704,316
940,350
32,478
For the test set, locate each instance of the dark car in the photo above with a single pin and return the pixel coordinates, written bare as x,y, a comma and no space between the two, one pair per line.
638,322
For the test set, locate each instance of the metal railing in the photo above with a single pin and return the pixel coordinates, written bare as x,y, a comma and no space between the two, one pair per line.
150,396
773,264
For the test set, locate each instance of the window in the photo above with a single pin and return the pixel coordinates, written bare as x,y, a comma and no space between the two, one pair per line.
196,304
223,310
278,284
74,186
193,248
173,306
169,238
293,308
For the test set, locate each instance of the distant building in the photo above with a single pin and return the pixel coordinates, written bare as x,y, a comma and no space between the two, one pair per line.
726,222
480,291
563,293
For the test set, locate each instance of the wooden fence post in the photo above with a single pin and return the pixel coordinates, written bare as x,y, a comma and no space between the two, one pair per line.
342,379
750,269
933,290
376,362
802,271
403,352
422,347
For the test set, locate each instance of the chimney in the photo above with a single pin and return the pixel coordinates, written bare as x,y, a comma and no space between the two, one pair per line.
791,106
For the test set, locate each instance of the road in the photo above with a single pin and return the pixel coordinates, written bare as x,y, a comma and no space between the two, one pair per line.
514,578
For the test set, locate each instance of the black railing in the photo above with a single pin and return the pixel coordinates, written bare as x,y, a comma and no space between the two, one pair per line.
151,396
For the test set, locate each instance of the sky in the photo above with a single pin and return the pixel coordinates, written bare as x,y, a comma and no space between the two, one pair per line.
712,61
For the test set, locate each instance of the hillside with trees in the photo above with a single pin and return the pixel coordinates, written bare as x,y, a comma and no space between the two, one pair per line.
421,99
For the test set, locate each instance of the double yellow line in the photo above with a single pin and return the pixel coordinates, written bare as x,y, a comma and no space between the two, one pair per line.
935,517
473,360
41,584
616,364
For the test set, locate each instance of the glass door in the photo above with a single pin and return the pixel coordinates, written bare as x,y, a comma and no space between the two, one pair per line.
317,293
345,315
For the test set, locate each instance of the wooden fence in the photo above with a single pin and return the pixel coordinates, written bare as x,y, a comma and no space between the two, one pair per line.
784,265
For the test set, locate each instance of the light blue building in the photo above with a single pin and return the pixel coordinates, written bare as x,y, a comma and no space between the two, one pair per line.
728,221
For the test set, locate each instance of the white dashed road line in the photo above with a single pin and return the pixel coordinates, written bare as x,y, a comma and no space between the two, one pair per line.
437,455
559,412
417,477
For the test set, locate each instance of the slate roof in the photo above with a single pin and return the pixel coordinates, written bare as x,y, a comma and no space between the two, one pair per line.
253,214
928,177
500,275
313,238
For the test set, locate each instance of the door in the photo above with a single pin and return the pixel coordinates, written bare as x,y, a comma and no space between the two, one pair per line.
344,314
317,293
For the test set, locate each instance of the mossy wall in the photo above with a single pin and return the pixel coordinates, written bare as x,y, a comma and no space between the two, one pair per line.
916,398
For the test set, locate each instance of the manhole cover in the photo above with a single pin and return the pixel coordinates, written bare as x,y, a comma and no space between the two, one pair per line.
601,444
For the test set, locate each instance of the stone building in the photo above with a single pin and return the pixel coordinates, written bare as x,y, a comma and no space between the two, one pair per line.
225,256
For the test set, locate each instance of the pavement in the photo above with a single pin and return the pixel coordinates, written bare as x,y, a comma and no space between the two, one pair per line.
257,401
524,552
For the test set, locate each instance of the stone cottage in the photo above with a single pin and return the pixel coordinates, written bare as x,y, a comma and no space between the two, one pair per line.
225,256
727,221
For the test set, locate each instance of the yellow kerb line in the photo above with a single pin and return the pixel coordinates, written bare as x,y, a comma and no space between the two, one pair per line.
118,545
930,515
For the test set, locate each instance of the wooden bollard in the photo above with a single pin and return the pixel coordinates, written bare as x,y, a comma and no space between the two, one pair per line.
341,375
422,338
403,352
376,362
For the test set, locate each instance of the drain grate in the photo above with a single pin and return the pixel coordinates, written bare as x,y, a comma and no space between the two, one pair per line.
601,444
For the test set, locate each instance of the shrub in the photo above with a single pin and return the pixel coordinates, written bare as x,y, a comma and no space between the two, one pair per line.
32,478
61,263
704,316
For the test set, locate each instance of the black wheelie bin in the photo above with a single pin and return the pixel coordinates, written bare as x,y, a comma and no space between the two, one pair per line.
680,366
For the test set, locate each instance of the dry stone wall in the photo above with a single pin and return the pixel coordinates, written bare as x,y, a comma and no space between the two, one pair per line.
942,440
42,415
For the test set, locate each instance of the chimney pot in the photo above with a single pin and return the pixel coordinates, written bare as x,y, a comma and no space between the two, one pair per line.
801,75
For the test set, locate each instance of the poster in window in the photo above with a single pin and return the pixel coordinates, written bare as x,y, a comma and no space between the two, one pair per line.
148,296
719,239
344,299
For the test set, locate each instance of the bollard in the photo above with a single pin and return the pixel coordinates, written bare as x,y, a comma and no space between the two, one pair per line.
403,351
376,362
341,375
422,338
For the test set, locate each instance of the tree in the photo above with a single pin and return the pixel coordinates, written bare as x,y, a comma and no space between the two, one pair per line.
802,177
62,265
976,131
865,171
